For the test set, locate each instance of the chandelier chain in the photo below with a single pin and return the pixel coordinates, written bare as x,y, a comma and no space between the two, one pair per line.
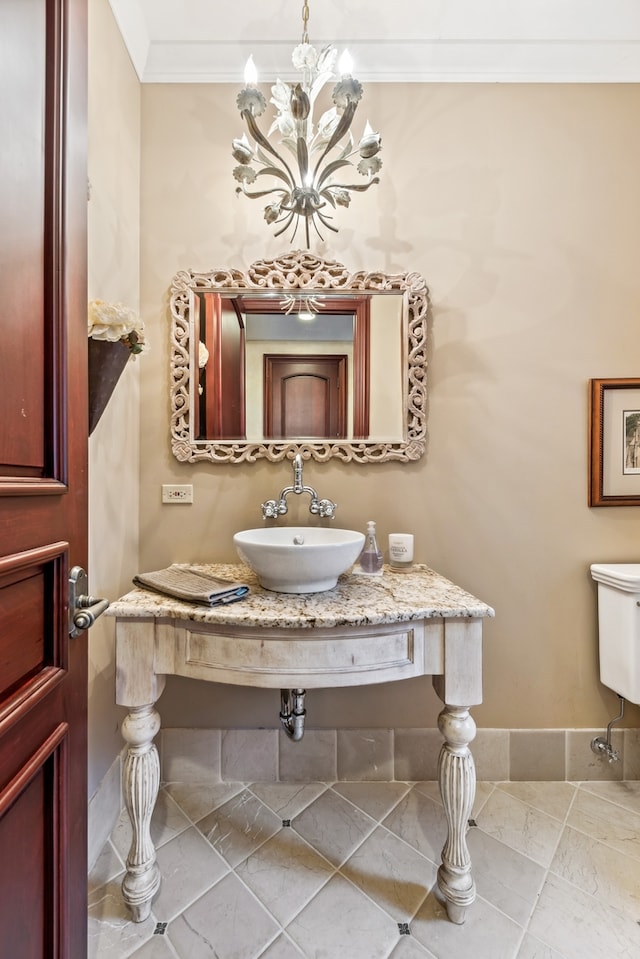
305,21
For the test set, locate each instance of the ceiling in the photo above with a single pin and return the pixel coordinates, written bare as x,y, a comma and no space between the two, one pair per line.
511,41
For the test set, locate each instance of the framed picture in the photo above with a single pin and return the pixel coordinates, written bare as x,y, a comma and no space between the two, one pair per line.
614,464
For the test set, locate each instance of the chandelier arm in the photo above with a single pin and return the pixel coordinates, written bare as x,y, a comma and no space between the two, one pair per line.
303,159
331,168
326,223
357,187
343,126
260,138
286,226
257,195
274,171
315,226
295,230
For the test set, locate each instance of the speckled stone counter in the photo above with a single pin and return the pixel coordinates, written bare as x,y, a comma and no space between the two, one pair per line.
357,600
367,629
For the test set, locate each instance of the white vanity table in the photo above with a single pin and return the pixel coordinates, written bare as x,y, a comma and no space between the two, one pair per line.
365,630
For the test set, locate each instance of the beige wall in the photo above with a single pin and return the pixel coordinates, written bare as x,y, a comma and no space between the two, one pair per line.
114,239
519,205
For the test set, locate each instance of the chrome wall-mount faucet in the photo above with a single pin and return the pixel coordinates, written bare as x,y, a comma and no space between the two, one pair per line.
273,508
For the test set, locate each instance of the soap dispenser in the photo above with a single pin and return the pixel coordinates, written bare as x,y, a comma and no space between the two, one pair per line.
371,559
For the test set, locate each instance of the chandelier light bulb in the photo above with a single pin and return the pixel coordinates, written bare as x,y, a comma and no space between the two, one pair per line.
345,64
250,73
300,164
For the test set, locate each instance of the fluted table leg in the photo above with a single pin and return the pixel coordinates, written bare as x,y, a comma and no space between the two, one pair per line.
457,776
141,783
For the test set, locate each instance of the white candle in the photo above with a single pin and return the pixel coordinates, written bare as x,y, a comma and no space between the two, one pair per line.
400,549
345,64
250,73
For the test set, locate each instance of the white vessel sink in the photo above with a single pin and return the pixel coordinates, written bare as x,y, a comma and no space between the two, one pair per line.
298,559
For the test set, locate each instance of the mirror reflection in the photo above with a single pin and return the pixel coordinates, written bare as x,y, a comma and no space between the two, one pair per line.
330,368
298,354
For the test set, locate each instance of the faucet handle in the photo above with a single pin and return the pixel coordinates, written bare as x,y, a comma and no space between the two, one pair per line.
325,507
273,508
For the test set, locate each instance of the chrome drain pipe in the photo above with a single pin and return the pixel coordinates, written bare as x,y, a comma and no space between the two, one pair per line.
600,745
292,713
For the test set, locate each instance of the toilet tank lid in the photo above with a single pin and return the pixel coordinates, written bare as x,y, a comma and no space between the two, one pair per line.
625,576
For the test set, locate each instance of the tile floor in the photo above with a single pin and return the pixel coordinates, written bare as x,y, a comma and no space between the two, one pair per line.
347,871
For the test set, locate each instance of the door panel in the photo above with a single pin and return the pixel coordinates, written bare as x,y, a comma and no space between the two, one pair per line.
34,852
43,477
23,26
22,629
305,396
32,625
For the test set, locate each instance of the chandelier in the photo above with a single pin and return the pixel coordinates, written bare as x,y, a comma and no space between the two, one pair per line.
301,184
305,307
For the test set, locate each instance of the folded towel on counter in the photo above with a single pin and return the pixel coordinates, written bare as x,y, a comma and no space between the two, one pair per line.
183,582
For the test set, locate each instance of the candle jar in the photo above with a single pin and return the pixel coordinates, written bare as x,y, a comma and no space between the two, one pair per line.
400,550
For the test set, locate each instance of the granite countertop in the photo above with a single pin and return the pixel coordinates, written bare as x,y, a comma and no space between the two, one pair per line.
356,600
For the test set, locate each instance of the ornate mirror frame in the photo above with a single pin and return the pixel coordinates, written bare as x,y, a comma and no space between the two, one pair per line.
291,273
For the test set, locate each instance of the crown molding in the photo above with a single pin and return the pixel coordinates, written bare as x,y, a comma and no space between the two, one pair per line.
528,41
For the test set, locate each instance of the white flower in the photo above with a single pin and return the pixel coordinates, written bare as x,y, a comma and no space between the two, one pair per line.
281,95
327,124
367,167
242,151
272,212
203,355
113,322
347,90
327,59
244,174
304,57
370,143
284,124
251,100
340,195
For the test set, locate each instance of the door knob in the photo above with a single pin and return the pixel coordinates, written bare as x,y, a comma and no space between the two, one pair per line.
83,609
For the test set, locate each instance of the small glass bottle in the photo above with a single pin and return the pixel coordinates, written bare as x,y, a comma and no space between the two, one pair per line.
371,558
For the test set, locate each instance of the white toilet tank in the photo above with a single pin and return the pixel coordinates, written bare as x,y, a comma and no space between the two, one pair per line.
619,626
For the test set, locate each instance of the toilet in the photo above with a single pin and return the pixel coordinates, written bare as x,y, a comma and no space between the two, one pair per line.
619,627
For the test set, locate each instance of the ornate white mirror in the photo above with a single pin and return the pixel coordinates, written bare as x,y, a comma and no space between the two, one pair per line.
298,355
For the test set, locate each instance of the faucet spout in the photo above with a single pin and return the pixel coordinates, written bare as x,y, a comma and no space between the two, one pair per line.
272,508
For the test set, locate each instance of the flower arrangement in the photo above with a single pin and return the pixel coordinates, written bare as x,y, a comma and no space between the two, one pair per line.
116,323
116,334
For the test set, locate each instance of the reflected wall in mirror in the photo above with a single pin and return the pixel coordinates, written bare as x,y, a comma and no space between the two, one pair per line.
298,355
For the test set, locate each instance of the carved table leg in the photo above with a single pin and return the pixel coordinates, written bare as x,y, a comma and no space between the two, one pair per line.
457,775
141,783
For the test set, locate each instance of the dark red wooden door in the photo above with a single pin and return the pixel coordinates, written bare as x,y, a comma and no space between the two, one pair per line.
220,409
305,396
43,477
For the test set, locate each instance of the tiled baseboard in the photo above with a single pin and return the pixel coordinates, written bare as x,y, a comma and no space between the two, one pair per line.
268,755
